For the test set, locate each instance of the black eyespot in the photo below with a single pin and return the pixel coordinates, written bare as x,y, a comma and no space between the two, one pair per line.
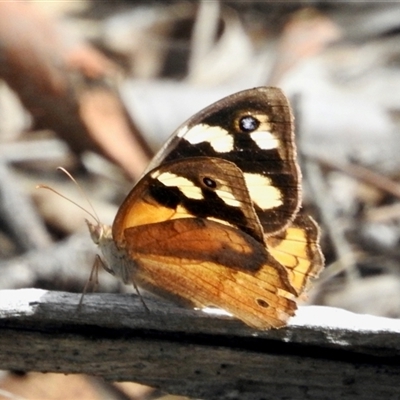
210,183
262,303
248,123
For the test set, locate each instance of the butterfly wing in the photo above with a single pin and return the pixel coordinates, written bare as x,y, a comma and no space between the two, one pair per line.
254,130
193,235
205,263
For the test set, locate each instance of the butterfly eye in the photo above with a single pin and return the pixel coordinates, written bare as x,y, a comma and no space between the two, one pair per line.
210,183
248,123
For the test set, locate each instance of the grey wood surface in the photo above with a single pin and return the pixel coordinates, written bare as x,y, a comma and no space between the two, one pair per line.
324,353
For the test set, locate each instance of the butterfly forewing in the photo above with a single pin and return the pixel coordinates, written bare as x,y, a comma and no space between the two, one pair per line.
254,130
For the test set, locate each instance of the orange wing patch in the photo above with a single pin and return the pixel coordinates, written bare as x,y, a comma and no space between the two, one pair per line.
297,249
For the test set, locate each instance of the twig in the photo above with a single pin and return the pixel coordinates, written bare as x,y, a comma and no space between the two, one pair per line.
323,353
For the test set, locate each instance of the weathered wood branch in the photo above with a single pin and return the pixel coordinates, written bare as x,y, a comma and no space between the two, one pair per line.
323,353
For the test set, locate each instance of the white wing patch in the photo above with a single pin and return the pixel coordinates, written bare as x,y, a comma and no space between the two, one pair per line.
228,197
262,192
187,187
219,139
265,140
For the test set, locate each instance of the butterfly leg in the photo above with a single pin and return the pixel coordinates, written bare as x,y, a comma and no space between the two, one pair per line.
140,296
94,276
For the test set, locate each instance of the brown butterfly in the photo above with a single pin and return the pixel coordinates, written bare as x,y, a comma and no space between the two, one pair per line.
214,221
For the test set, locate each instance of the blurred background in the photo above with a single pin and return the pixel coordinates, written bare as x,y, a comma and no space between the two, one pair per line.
97,87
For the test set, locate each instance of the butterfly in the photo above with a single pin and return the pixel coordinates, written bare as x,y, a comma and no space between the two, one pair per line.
215,221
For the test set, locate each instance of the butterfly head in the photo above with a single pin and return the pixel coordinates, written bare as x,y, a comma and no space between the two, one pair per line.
98,232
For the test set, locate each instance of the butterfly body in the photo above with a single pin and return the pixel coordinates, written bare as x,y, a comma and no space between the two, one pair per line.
214,221
114,259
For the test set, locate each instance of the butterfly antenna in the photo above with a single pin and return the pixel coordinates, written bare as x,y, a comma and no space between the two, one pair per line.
83,194
41,186
81,191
